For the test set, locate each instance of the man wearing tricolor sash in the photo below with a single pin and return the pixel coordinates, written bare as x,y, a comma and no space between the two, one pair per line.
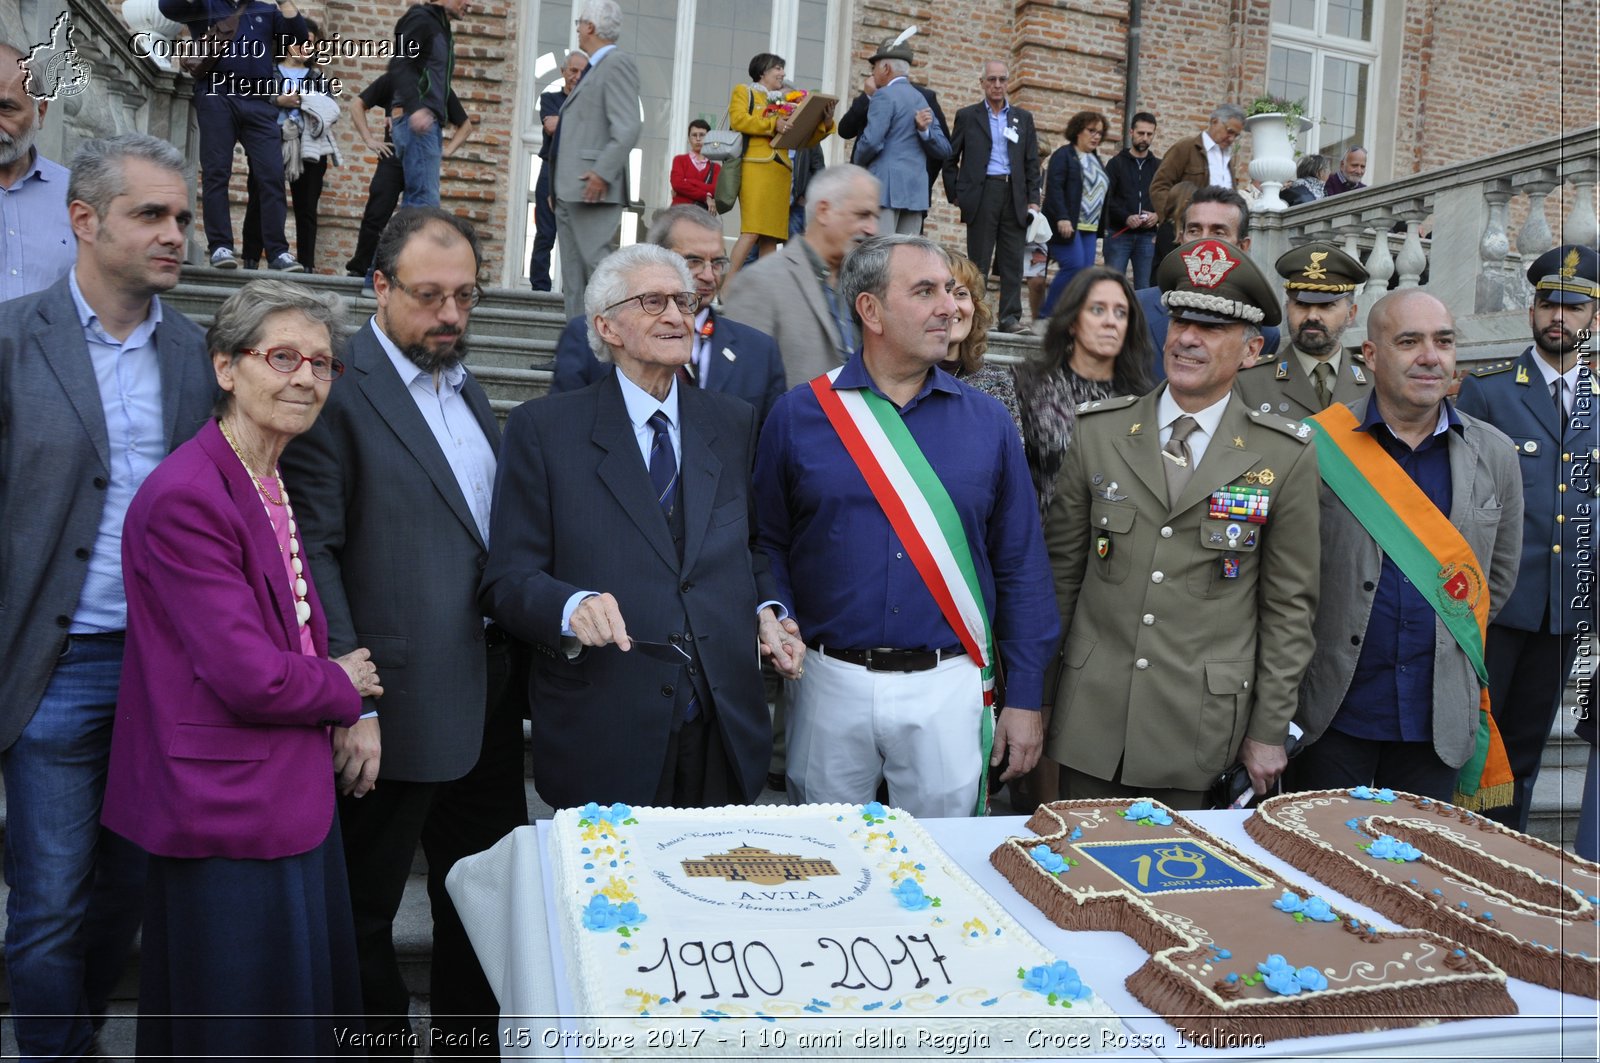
895,505
1183,541
1421,532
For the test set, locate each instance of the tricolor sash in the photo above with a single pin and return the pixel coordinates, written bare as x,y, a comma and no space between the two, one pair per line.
1431,553
920,511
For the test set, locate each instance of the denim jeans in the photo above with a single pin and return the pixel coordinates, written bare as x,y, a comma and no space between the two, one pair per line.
76,889
420,154
1140,247
1077,254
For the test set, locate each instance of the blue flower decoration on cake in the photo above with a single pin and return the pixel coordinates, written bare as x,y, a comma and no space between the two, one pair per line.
909,893
1057,982
1367,793
874,812
1147,813
1313,908
1387,848
617,813
1280,976
1048,859
602,915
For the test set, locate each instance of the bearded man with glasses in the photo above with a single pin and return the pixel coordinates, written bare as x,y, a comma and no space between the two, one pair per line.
621,552
392,491
727,356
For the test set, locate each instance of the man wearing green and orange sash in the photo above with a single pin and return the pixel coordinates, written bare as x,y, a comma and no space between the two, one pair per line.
895,506
1421,533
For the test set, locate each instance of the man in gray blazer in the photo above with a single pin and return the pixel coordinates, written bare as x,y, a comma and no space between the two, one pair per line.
599,126
1390,698
391,488
901,136
790,295
98,382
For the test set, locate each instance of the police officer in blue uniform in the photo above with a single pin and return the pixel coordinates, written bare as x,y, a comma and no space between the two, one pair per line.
1545,401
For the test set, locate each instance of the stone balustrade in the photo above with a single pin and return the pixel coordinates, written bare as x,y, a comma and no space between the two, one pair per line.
1471,259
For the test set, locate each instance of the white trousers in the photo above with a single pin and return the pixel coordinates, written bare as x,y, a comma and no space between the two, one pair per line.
848,728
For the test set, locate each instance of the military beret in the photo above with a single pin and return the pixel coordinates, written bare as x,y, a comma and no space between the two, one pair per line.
1320,273
1210,280
1566,274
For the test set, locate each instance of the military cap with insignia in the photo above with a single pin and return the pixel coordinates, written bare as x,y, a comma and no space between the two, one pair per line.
1566,274
1211,280
1319,273
895,47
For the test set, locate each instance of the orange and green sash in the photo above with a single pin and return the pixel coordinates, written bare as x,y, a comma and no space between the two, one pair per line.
1431,553
925,519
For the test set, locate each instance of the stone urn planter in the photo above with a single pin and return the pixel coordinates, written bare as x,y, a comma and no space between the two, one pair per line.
1272,137
153,32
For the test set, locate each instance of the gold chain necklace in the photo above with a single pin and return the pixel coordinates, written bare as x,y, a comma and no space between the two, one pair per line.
228,435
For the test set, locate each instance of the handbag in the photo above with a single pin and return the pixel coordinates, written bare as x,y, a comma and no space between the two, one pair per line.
727,194
722,144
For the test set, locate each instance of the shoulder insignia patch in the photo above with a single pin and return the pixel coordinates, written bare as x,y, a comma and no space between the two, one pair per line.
1298,431
1102,405
1494,368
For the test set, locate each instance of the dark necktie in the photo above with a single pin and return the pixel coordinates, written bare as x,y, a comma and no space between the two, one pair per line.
1324,384
1178,459
663,464
1561,407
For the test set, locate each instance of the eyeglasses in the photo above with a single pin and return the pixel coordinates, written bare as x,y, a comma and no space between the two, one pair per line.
287,360
696,263
655,303
995,80
429,299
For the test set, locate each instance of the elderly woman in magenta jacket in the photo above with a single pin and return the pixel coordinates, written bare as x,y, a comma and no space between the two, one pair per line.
222,766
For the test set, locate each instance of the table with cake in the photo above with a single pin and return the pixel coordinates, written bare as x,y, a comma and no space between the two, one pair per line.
1342,923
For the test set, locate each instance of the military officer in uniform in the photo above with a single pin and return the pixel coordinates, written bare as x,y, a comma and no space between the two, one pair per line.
1545,401
1320,284
1184,544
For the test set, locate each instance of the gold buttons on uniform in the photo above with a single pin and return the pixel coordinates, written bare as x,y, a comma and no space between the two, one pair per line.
1561,518
1566,457
1556,549
1562,488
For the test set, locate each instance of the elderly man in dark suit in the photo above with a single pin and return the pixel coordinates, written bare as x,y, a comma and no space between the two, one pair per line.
599,125
1392,694
992,175
392,489
645,688
1545,400
98,382
728,357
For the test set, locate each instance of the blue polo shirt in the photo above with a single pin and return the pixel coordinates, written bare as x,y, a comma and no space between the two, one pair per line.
1391,694
844,572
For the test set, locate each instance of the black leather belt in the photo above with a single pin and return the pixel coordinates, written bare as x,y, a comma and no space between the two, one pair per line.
883,659
99,636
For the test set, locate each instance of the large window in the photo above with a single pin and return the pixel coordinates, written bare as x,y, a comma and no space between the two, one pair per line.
1324,52
690,54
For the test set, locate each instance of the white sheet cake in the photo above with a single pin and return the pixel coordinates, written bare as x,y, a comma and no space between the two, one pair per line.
816,929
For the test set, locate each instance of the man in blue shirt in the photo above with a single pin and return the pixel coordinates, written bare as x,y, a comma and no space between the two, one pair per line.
1390,698
891,692
36,242
98,382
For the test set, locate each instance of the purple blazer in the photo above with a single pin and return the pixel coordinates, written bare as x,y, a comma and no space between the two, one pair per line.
221,745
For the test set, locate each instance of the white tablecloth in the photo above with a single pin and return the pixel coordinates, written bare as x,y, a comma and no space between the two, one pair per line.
501,893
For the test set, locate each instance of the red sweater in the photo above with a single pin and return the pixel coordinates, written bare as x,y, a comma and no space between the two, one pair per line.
690,185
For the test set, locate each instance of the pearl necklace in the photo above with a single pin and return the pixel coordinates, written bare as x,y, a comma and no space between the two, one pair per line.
302,608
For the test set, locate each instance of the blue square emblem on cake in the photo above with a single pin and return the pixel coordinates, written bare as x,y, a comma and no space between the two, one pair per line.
1168,865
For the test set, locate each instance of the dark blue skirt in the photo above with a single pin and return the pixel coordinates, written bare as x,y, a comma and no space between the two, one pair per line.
243,958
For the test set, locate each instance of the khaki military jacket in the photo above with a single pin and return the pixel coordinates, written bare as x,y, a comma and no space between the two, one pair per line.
1280,385
1186,630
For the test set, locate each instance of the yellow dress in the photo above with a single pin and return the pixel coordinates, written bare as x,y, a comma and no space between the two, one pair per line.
765,181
